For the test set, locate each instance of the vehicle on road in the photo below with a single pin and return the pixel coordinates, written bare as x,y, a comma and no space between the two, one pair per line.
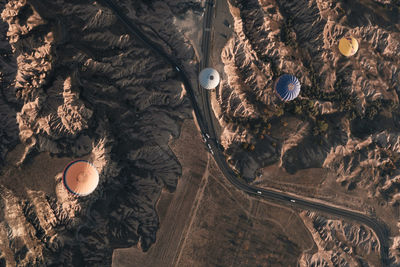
292,200
209,148
203,137
310,205
259,192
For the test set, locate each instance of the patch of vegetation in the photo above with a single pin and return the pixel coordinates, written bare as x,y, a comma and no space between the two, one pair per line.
301,107
373,108
321,126
344,101
248,146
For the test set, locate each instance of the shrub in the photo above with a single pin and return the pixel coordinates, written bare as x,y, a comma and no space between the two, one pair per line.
245,145
320,127
279,112
297,109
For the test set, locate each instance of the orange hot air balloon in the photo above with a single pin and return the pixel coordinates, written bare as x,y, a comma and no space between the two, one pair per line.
80,177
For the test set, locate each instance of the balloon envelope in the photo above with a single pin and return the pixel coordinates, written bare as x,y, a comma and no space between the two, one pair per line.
80,177
348,46
209,78
287,87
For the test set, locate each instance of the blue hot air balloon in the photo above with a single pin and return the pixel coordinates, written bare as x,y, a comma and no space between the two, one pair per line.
287,87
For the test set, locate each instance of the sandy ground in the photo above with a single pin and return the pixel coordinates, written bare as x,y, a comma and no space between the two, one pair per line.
37,174
188,25
232,229
191,234
320,185
316,183
175,208
195,220
222,31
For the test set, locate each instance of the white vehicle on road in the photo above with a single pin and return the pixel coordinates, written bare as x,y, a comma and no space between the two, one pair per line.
203,137
178,69
209,148
292,200
259,192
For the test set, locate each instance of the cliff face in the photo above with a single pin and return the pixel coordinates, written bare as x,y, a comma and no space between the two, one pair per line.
339,243
343,101
8,101
76,84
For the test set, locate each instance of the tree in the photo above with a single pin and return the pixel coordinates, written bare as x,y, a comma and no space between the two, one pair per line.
321,127
279,112
245,145
264,131
371,112
297,109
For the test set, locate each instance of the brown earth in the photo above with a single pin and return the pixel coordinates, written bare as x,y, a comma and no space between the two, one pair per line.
231,229
75,84
338,141
173,209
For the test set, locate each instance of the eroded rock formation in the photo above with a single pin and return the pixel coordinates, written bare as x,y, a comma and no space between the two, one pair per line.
343,101
75,84
339,243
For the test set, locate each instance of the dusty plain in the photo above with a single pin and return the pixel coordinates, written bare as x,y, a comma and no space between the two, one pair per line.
174,209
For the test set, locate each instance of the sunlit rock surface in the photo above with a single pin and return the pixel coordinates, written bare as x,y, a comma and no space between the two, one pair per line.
339,243
76,84
342,101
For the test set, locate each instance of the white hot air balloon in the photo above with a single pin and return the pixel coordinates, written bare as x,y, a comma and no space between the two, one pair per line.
209,78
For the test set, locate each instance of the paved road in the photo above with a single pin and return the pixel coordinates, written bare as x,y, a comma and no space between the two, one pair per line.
207,128
205,47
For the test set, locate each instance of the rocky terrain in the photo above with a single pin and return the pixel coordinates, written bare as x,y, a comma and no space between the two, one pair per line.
76,84
346,118
339,243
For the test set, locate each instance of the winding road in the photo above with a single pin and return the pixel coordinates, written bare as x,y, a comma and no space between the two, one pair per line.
207,127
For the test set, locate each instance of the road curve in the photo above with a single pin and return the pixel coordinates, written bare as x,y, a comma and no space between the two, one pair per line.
282,198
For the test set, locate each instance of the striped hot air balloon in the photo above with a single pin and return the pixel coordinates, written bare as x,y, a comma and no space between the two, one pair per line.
287,87
80,177
348,46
